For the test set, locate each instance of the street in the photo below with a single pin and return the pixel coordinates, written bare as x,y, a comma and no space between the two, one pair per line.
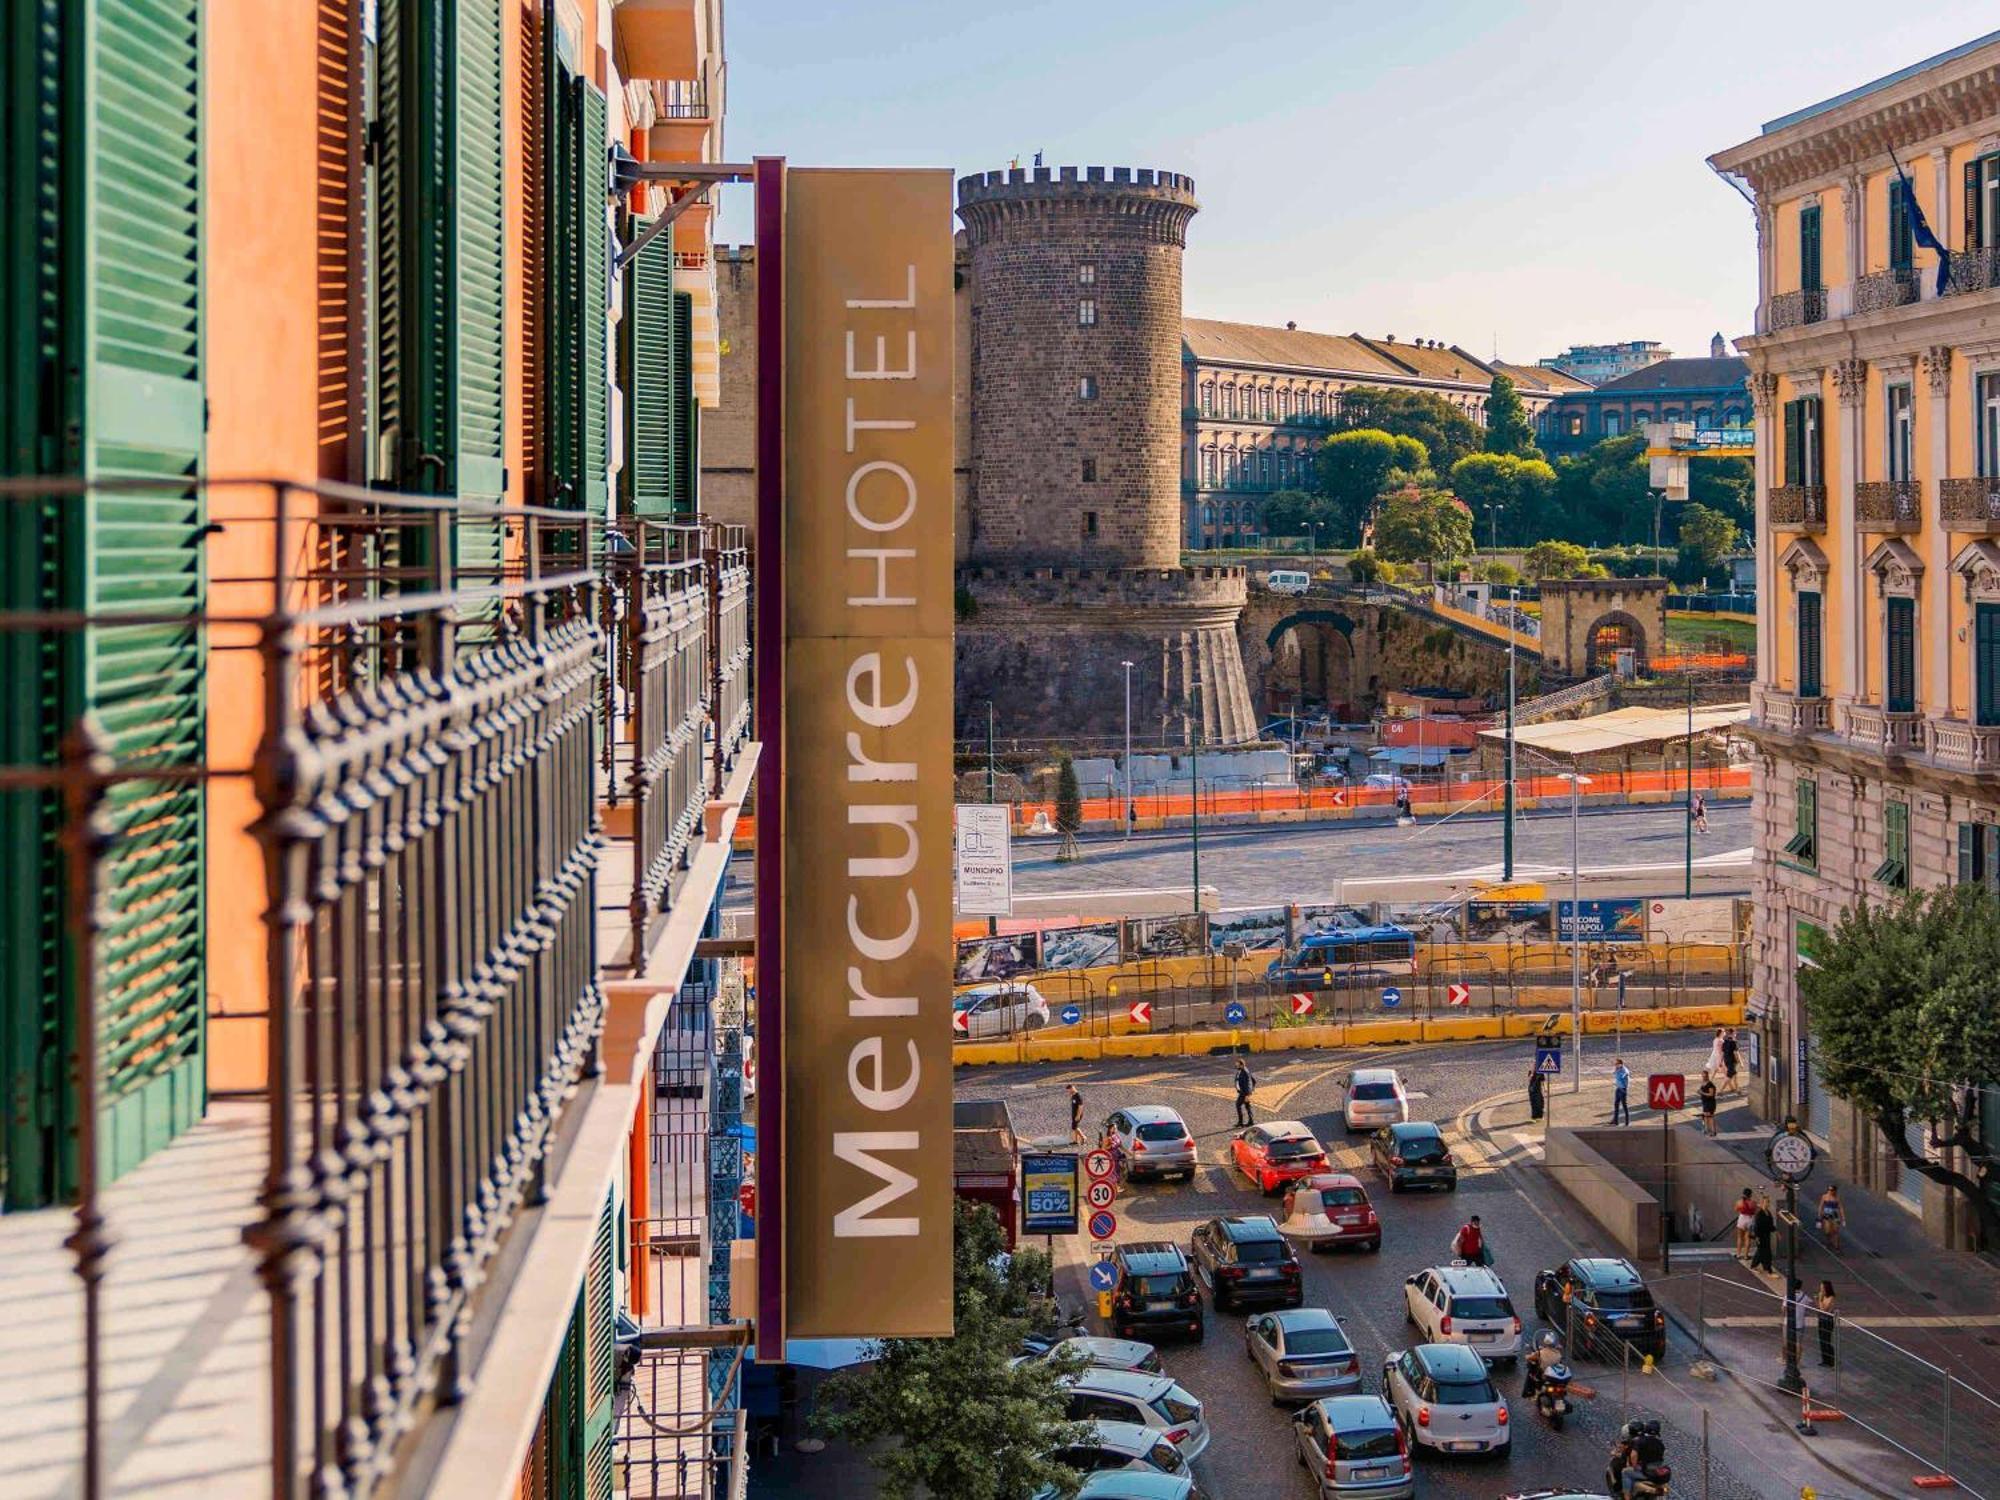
1528,1225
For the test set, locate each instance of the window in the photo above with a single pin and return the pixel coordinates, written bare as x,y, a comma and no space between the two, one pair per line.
1614,424
1804,843
1982,202
1573,424
1804,464
1208,515
1809,272
1902,232
1086,313
1086,388
1979,854
1208,468
1086,275
1229,400
1208,398
1900,670
1894,871
1986,664
1090,523
1090,471
1809,685
1986,416
1264,403
1901,431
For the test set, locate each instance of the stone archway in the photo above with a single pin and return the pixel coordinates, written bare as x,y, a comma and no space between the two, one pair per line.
1311,665
1611,632
1573,610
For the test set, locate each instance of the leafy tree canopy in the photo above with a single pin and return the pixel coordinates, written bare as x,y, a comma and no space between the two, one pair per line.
1069,798
1905,1017
1364,567
1508,429
1508,495
1556,559
1707,536
1295,512
1447,433
955,1420
1431,526
1356,468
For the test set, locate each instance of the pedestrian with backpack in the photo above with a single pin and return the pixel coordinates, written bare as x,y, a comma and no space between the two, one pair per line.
1244,1085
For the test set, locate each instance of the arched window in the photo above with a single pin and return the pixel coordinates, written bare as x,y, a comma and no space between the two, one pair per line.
1208,515
1208,468
1229,400
1264,402
1285,404
1208,398
1701,415
1614,424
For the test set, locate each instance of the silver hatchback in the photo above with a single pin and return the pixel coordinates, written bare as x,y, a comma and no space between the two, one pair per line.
1354,1446
1304,1354
1153,1141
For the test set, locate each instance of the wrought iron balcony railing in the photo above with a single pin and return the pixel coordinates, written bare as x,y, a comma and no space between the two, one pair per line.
1795,309
726,551
1880,290
1893,505
1970,504
1799,507
1972,271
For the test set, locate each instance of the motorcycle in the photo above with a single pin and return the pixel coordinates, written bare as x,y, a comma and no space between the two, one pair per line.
1651,1484
1552,1395
1041,1343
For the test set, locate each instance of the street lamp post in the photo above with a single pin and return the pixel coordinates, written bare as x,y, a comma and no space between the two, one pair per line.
1576,785
1507,820
1194,786
1125,776
1687,889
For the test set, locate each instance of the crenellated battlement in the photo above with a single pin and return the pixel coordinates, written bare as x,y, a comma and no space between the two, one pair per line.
1011,181
1136,203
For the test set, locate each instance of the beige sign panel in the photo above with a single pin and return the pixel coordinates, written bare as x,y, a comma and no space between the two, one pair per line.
868,774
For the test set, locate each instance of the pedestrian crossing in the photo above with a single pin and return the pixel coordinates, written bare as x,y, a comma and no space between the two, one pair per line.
1473,1154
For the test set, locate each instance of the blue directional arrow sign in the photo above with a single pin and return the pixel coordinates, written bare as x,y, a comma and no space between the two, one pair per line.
1071,1014
1234,1014
1548,1060
1391,996
1103,1276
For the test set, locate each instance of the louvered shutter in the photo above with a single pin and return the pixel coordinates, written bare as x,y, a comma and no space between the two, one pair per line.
1973,226
563,1411
1809,271
1902,242
594,298
476,351
1812,441
1809,645
687,443
1794,447
1986,664
1901,631
649,379
600,1293
562,355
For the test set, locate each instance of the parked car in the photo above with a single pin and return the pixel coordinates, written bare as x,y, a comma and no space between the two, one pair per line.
1276,1153
1153,1141
1464,1304
1106,1354
1111,1446
1242,1258
1156,1290
1354,1446
1133,1484
1446,1400
1413,1154
1331,1210
1304,1354
1599,1302
999,1010
1374,1097
1155,1401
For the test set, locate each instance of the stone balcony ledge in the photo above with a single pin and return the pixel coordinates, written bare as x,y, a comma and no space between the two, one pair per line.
1881,729
1965,747
1787,713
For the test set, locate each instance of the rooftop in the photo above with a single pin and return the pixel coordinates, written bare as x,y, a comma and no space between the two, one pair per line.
1539,377
1887,80
1681,375
1255,344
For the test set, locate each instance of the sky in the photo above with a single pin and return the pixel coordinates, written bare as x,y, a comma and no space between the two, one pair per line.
1510,177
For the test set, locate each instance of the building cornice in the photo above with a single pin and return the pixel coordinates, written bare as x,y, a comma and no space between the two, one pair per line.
1894,333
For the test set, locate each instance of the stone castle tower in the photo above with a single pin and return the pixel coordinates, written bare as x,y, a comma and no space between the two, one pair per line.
1072,509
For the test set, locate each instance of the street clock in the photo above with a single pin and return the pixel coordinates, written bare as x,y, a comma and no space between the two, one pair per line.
1790,1154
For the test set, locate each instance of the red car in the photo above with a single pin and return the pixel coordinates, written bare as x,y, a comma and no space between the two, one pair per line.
1275,1154
1332,1210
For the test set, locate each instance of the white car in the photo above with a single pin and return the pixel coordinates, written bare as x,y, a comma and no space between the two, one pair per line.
1464,1304
1106,1354
1374,1097
1155,1401
990,1010
1153,1140
1445,1400
1117,1446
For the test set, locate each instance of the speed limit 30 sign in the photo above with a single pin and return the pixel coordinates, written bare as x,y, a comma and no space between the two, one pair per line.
1100,1193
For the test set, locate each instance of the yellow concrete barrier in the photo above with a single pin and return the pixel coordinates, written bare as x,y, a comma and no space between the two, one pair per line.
1062,1049
1380,1033
1605,1022
1522,1025
972,1054
1304,1038
1680,1017
1462,1028
1136,1045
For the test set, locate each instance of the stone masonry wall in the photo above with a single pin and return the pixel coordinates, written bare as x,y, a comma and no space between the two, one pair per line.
729,431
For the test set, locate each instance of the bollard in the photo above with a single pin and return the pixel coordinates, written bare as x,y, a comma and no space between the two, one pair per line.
1104,1306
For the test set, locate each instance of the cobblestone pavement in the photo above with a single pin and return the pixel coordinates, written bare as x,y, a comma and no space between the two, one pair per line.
1752,1452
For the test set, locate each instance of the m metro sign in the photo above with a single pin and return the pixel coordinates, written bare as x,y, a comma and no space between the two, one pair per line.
1666,1090
867,800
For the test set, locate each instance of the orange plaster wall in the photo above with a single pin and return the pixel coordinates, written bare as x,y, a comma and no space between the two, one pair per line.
263,371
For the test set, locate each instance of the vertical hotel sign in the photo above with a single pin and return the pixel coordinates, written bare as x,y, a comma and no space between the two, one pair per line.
867,753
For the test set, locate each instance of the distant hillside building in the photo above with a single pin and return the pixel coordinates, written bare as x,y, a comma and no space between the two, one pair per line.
1257,400
1707,392
1594,364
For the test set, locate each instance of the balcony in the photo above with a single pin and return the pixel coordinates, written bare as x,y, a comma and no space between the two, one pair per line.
680,99
1970,505
1880,730
1965,747
1886,505
1787,713
1796,309
1799,507
1881,290
1972,271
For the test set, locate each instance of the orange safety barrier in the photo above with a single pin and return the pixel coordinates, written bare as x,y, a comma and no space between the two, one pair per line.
1699,661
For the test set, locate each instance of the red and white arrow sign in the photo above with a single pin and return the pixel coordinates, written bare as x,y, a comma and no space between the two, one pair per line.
1340,796
1302,1005
1458,994
961,1022
1141,1012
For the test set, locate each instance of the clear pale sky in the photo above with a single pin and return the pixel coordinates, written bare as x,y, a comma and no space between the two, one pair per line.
1527,173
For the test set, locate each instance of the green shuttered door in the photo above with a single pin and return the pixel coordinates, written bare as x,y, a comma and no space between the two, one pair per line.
649,379
595,248
687,445
579,1409
578,278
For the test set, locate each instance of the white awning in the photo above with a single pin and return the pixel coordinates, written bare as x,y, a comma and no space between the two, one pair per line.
1621,729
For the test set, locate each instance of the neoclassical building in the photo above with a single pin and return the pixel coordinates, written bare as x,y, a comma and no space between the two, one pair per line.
1876,378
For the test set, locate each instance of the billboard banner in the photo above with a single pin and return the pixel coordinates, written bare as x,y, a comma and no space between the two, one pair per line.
1702,919
1092,946
983,860
1620,921
1048,1192
868,793
989,958
1262,927
1507,921
1165,937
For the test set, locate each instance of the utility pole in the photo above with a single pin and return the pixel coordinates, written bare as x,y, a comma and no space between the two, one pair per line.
1576,783
1507,821
1194,785
1125,776
992,923
1688,884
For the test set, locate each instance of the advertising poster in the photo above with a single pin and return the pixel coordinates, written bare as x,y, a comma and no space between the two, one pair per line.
1507,921
1704,919
1165,937
1433,922
1310,919
983,860
985,958
1048,1192
1262,927
1619,921
1092,946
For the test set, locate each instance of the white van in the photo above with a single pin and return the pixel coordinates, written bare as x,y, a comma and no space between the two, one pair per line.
1288,581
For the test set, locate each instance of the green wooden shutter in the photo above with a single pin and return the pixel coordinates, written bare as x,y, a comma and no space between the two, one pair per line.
1902,235
477,352
562,358
594,302
648,332
1973,226
687,411
563,1412
1809,271
1986,664
1809,645
600,1301
1900,621
1794,446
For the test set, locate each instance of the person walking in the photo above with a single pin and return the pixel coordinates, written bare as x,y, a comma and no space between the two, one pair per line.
1714,1063
1763,1225
1244,1085
1075,1116
1746,1218
1469,1244
1621,1085
1731,1055
1707,1095
1828,1321
1831,1217
1700,813
1534,1093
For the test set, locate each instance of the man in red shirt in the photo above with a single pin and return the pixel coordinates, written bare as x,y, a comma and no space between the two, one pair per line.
1469,1245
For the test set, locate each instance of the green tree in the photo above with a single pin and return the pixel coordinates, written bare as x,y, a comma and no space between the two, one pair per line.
1556,559
1508,429
1447,433
1354,469
1707,536
1069,798
1602,494
1727,485
1293,512
1500,572
1905,1019
956,1420
1364,567
1431,526
1509,494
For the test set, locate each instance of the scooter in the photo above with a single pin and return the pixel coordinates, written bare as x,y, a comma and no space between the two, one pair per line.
1552,1395
1651,1484
1041,1343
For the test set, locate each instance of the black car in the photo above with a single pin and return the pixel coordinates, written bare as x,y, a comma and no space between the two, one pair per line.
1599,1303
1156,1291
1242,1258
1413,1154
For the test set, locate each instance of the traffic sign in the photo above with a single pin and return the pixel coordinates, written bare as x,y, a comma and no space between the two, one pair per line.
1103,1276
1548,1060
1071,1014
1234,1014
1391,996
1099,1164
1458,994
961,1022
1141,1012
1103,1224
1100,1192
1667,1090
1302,1004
